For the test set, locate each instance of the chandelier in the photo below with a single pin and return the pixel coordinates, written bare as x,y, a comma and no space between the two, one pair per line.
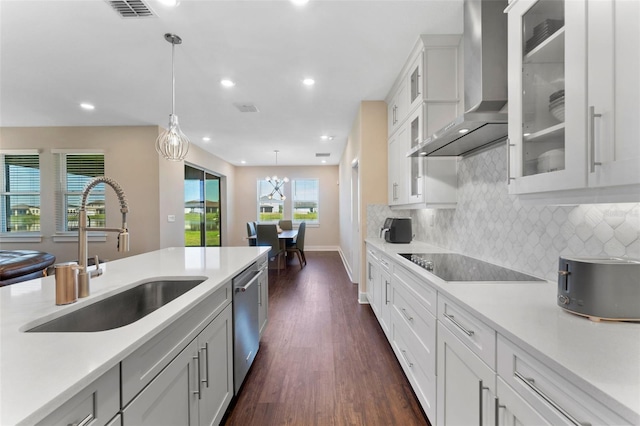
172,144
277,183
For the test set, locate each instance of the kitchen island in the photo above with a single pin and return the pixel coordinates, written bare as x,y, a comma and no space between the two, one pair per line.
589,366
41,371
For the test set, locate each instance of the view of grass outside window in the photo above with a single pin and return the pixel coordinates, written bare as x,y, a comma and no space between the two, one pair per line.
306,200
20,202
269,209
201,208
76,171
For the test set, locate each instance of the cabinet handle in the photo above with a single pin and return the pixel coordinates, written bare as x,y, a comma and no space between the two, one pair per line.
205,349
457,324
408,317
497,409
404,355
85,421
592,138
386,292
530,383
199,391
481,389
259,293
509,145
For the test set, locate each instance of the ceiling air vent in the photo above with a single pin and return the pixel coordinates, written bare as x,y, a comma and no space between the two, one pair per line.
246,107
131,8
322,154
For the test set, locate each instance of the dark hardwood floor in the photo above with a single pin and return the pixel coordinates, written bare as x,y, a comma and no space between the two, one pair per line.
323,359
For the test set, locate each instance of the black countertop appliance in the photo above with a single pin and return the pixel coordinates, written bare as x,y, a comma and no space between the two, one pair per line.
397,230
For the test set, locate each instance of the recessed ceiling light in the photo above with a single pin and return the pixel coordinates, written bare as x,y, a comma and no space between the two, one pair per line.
227,83
423,154
326,138
299,2
243,162
87,106
462,131
169,3
206,138
324,161
308,82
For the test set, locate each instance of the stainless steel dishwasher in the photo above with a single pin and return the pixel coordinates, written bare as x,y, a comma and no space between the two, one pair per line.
246,333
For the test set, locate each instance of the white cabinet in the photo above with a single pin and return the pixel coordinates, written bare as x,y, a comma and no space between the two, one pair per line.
263,297
466,385
397,106
96,404
197,385
466,367
550,395
574,104
413,334
613,92
378,287
373,278
429,85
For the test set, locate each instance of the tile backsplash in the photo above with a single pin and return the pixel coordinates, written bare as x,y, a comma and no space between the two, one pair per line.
491,225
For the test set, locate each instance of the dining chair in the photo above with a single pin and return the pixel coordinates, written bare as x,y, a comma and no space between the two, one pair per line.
267,235
298,246
285,224
251,232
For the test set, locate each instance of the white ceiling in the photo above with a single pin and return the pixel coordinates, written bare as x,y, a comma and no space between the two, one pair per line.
56,54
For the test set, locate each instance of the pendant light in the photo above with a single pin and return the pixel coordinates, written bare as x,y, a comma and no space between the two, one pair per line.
172,144
277,182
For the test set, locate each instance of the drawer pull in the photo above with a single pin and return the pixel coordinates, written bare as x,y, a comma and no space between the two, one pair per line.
481,389
386,292
498,406
530,383
199,391
205,349
457,324
408,317
85,421
404,355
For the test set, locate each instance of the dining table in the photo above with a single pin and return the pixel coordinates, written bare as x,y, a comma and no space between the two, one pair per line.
284,236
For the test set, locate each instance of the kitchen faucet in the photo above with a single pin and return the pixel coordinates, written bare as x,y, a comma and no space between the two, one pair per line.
85,276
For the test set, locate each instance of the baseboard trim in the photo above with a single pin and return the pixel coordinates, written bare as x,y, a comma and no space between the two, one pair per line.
321,248
362,299
346,265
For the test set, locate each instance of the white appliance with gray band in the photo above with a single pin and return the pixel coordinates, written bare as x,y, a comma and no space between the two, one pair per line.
600,288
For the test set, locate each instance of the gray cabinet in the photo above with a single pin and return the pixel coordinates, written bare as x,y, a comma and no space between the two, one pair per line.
196,387
94,405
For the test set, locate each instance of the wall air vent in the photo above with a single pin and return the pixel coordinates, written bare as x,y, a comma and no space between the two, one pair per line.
246,107
322,154
131,8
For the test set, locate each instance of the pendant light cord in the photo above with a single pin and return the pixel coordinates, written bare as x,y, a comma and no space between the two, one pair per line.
173,79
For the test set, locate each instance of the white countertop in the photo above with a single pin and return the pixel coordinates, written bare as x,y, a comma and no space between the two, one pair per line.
603,358
40,371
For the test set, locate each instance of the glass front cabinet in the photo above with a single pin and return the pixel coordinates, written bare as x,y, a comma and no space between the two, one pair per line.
568,99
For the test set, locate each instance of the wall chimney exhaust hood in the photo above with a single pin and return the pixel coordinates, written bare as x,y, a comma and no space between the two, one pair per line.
485,85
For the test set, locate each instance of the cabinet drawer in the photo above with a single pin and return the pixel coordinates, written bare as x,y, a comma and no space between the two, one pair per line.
145,363
478,336
418,365
421,291
555,398
385,263
373,253
415,318
95,405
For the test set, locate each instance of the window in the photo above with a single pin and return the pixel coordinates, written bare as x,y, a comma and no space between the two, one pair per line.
75,171
20,203
270,206
201,208
306,199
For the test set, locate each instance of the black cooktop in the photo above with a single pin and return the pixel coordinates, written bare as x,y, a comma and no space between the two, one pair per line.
456,267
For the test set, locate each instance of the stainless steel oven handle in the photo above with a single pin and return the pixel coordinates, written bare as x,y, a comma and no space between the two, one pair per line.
457,324
530,383
246,286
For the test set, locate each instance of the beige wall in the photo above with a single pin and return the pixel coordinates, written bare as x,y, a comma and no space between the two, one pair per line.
126,150
367,143
325,236
153,186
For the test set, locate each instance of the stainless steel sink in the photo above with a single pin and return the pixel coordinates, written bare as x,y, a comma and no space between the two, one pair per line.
120,309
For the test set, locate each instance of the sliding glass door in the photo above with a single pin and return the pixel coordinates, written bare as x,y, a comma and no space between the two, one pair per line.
201,208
